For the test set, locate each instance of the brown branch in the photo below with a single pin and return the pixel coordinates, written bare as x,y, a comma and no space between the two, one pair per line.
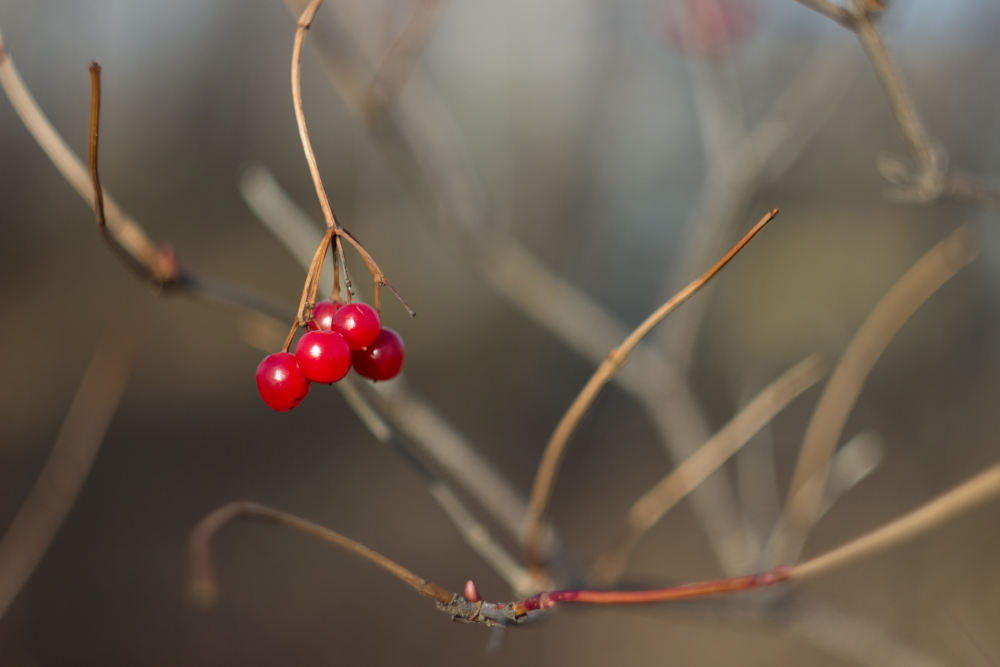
556,447
304,22
655,503
55,491
915,286
202,588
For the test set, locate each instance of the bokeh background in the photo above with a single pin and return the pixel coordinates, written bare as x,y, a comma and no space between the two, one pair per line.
582,122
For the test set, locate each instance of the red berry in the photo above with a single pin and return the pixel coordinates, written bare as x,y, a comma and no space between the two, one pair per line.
280,382
323,315
357,323
382,359
323,356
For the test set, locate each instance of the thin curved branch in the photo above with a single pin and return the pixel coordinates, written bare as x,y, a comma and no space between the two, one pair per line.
931,271
556,447
647,511
301,27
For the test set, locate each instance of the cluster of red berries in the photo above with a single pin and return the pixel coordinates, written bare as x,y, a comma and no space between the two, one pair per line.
340,335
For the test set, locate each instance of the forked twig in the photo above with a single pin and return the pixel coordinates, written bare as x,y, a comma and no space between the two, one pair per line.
556,447
915,286
655,503
55,491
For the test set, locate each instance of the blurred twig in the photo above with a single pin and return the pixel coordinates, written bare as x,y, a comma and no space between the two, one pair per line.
50,500
931,179
915,286
399,59
656,502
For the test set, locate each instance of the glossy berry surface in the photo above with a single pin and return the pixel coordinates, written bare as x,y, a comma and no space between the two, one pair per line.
280,382
323,356
323,315
358,323
381,360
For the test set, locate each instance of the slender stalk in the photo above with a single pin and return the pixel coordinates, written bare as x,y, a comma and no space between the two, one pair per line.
304,22
202,588
647,511
931,271
556,447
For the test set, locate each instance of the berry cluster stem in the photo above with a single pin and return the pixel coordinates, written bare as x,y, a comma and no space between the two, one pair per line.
333,227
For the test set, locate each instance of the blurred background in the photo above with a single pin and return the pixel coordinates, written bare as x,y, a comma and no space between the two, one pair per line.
590,130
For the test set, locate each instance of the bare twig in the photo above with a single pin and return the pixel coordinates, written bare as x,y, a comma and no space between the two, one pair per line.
656,502
126,234
122,229
305,20
202,589
50,500
910,291
554,450
967,496
931,180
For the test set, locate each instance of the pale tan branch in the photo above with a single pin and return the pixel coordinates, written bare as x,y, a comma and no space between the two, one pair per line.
556,447
970,494
915,286
398,60
55,491
202,589
655,503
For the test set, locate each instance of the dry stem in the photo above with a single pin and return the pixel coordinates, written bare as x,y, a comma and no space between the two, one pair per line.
556,447
655,503
915,286
50,500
